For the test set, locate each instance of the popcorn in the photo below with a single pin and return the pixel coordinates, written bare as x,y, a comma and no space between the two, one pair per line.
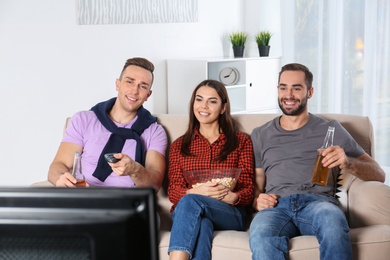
227,177
228,182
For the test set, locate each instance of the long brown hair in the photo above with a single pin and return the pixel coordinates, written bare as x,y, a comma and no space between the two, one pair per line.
226,122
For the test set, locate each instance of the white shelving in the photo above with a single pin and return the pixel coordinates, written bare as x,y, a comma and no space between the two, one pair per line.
254,92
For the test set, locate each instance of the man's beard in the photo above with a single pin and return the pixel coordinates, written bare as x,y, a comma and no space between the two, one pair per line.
293,112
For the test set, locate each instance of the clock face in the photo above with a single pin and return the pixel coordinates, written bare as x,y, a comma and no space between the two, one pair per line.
229,76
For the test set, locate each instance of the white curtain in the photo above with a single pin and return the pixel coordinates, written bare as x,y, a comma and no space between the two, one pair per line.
346,44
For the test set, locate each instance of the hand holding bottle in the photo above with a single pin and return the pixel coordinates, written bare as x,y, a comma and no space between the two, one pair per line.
76,171
334,156
321,173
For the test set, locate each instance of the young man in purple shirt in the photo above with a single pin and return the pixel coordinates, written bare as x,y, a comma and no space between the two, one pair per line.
121,126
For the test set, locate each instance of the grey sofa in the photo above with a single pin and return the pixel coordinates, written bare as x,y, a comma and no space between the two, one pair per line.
366,204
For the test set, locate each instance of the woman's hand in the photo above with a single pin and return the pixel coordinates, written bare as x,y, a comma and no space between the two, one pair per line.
231,198
210,189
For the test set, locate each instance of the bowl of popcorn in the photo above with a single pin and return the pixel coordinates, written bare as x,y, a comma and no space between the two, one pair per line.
226,177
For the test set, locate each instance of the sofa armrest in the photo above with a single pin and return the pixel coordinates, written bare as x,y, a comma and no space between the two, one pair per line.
368,203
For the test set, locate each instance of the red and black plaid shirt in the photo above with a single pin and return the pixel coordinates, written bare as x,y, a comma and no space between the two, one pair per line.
241,157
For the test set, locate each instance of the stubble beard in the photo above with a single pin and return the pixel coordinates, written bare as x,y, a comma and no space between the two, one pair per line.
293,112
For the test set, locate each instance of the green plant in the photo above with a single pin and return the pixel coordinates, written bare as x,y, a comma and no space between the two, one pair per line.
238,38
263,37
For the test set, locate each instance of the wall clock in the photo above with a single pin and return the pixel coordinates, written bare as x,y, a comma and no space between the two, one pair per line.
229,76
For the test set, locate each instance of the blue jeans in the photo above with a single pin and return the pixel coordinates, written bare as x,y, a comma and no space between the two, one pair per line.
194,220
300,214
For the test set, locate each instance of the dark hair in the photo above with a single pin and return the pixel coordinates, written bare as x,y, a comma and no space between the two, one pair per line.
140,62
299,67
226,122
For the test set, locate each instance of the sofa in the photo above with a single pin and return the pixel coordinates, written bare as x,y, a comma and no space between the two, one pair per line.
366,204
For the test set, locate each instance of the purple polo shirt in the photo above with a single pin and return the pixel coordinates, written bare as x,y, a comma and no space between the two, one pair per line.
85,130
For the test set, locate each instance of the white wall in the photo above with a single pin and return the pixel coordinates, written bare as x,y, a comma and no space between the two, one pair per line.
50,67
262,15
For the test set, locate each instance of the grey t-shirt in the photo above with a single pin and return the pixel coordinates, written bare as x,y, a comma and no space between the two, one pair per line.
288,157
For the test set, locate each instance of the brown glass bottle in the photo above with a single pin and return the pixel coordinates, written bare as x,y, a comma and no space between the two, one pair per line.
320,173
81,183
76,172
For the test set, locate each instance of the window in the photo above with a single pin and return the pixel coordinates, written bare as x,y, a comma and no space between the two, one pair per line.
346,45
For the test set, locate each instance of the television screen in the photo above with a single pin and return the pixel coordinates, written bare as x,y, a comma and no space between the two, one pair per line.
78,223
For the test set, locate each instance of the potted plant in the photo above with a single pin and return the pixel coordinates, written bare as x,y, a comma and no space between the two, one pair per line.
262,39
238,40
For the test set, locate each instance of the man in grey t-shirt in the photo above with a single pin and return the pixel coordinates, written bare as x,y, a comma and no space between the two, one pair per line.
285,148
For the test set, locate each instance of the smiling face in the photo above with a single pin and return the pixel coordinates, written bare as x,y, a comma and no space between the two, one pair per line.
207,105
133,88
293,93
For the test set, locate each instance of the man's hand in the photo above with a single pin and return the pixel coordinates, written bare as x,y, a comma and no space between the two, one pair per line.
150,175
125,165
363,167
334,156
265,201
67,180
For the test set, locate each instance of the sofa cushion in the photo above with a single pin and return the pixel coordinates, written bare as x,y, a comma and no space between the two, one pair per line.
303,247
371,242
366,242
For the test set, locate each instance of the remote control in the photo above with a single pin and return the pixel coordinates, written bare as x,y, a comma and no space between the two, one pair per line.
110,158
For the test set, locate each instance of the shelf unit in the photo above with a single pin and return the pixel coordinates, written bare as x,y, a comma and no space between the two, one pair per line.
254,92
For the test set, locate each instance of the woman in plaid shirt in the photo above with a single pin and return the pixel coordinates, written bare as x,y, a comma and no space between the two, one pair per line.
210,142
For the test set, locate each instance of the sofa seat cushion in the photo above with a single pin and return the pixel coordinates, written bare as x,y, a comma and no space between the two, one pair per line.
366,241
228,244
304,247
371,241
164,243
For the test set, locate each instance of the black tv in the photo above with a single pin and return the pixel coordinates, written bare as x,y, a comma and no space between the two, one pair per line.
78,223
